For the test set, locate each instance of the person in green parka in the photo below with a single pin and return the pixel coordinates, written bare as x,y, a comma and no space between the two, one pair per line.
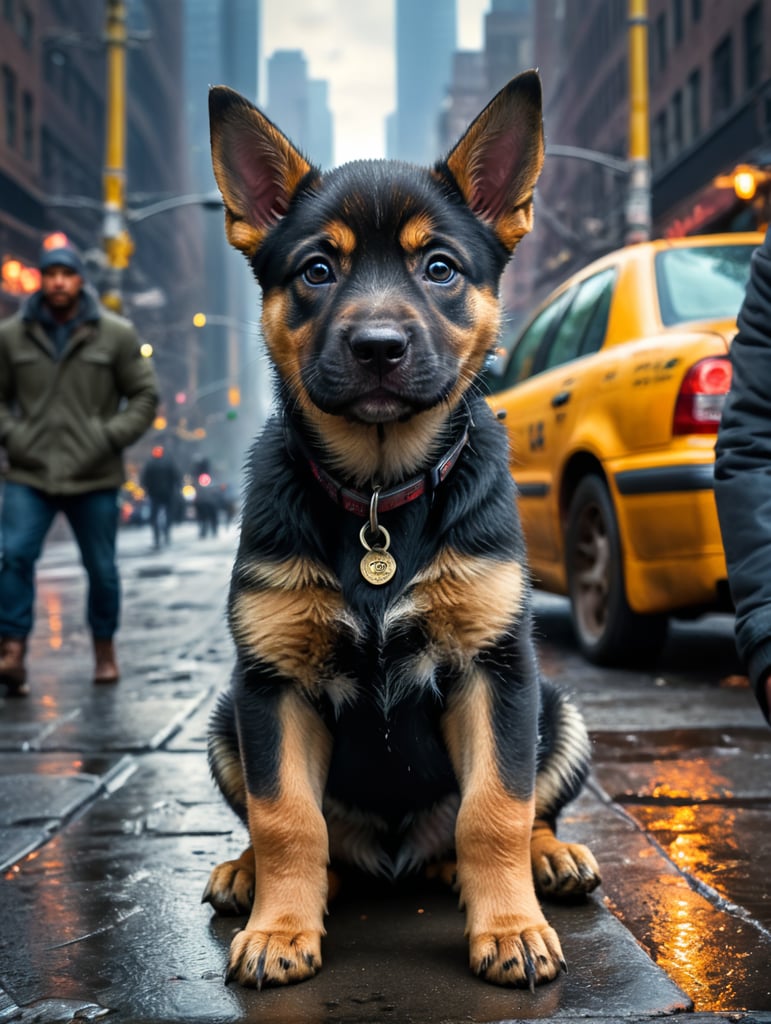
75,391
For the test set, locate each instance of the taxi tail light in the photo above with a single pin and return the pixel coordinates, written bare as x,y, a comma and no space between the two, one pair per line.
702,395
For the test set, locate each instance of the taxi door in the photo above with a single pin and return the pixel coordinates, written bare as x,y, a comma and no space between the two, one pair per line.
547,392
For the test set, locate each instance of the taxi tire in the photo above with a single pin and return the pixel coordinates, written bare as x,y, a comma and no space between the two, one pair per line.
607,630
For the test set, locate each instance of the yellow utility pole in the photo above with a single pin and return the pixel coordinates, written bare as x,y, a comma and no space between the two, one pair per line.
118,246
638,207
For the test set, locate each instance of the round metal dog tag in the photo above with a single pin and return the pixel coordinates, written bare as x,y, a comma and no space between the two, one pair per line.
377,566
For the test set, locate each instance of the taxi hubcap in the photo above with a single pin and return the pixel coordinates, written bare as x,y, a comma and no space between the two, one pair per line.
592,572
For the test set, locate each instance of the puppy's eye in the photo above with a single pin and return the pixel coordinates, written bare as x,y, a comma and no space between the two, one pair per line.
318,272
440,270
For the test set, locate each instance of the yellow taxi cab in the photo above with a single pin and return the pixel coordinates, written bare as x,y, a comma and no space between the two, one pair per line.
612,395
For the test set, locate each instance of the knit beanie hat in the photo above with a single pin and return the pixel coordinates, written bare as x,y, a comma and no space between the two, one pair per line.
64,256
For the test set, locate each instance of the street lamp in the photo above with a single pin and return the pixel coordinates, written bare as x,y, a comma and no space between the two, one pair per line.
118,246
201,320
744,183
135,214
592,156
745,180
218,320
636,169
117,255
638,207
116,240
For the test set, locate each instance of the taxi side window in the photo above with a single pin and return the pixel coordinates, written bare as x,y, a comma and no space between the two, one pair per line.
582,329
523,361
594,334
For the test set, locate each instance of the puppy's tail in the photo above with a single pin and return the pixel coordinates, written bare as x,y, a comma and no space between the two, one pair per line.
564,753
223,754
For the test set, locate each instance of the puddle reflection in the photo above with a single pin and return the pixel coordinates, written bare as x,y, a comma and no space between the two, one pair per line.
697,816
52,603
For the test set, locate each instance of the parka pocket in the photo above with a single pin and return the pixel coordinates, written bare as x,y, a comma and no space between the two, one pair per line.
27,356
23,445
98,357
32,374
84,450
95,380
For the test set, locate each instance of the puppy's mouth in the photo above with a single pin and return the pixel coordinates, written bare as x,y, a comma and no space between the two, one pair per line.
380,406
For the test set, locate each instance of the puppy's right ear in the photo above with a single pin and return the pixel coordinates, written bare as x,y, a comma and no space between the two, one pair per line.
497,162
256,167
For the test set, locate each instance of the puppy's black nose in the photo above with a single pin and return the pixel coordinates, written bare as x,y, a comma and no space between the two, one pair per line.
378,348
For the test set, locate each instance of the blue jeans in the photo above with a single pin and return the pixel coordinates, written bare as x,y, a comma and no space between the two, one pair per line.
26,518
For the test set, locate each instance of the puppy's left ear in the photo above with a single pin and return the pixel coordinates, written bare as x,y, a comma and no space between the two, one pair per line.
256,167
497,162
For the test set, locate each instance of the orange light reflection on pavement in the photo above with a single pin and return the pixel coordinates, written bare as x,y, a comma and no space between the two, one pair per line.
692,818
53,606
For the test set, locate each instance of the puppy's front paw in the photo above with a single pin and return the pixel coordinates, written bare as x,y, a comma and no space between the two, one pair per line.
523,958
230,888
259,958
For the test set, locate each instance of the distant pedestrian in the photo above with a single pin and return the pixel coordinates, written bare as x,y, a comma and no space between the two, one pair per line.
74,392
743,477
208,500
162,481
229,495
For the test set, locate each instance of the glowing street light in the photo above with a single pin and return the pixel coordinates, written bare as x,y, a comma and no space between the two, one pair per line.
745,179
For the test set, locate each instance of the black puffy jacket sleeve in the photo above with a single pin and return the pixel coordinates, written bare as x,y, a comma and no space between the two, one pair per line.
743,475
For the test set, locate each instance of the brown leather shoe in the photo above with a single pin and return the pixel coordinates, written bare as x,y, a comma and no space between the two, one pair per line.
12,671
106,668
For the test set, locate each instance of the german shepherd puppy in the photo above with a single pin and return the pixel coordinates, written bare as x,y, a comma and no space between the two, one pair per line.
386,708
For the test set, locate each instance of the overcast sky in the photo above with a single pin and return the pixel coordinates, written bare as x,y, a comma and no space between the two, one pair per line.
350,43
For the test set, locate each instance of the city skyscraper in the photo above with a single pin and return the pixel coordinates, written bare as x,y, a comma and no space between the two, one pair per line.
222,47
508,41
320,126
475,77
426,34
287,100
299,105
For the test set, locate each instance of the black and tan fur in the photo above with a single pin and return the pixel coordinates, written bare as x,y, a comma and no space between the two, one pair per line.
401,725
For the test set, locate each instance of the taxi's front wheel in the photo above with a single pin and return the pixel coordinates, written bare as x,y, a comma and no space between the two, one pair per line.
607,630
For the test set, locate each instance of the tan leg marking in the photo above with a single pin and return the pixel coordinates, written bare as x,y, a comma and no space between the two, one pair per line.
291,619
510,941
561,869
281,942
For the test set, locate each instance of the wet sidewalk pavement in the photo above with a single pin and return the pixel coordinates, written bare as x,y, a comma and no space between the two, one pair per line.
109,826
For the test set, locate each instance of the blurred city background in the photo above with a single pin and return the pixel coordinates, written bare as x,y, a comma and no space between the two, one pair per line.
104,136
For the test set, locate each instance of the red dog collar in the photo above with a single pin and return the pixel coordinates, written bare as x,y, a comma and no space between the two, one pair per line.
359,503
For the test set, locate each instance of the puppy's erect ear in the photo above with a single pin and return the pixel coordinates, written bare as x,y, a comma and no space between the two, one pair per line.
257,168
497,162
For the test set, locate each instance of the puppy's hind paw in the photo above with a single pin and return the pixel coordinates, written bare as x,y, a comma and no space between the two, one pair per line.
565,870
230,888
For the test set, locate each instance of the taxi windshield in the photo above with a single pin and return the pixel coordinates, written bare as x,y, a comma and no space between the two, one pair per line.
702,283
